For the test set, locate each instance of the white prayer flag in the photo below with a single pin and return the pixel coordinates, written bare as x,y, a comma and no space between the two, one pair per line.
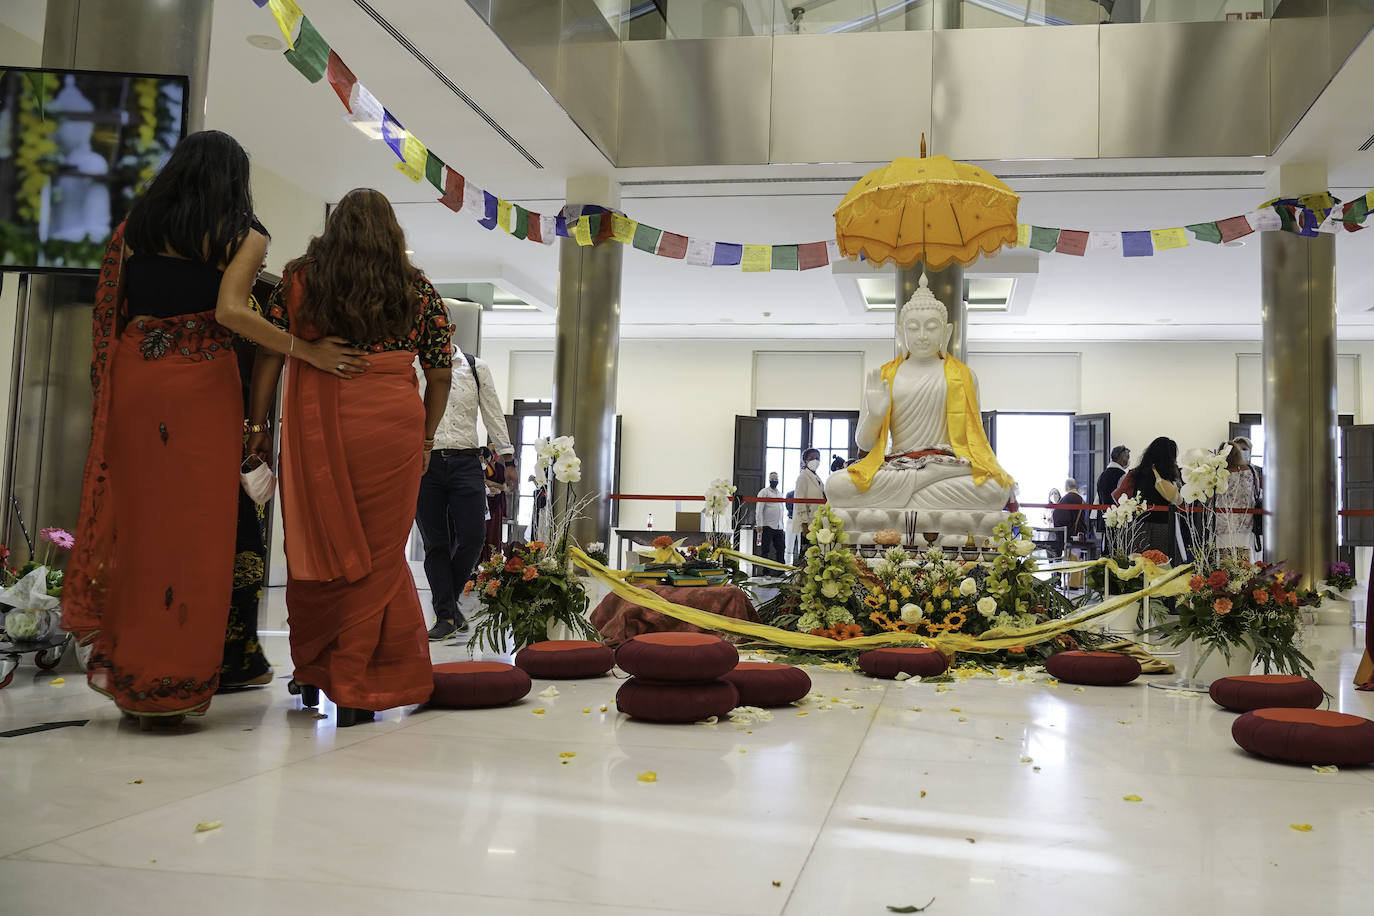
832,250
366,112
700,252
473,200
1266,220
548,229
1104,241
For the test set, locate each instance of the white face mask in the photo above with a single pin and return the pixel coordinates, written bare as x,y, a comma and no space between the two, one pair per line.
813,463
1244,456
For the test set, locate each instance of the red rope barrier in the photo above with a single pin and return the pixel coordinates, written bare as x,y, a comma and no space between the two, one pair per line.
1074,506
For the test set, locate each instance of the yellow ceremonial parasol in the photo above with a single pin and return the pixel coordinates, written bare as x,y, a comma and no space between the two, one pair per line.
933,210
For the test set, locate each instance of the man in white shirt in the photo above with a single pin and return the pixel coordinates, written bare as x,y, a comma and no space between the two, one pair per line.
452,508
769,517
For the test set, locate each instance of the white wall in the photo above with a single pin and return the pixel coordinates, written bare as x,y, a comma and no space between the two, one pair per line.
679,398
289,212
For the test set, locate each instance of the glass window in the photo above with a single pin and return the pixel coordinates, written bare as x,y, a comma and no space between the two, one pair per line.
794,432
533,427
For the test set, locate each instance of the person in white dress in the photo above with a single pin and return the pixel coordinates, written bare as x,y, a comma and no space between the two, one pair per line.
1235,530
809,486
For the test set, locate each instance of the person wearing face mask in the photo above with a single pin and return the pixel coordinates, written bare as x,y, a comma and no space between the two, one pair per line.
770,521
1257,486
809,486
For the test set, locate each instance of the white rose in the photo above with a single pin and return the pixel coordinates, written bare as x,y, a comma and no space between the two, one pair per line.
912,613
968,588
1023,548
825,536
987,606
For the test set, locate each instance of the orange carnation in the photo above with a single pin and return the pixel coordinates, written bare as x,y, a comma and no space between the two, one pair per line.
530,573
536,545
1196,583
514,564
1218,579
1222,605
1261,596
468,587
663,541
1155,556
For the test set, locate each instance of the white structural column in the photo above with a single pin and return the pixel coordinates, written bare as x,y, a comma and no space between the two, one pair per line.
587,356
1299,346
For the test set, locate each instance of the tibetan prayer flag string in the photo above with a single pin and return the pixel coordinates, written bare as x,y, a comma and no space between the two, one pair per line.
310,55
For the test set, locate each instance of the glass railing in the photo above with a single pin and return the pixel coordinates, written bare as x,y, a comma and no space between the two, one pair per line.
637,20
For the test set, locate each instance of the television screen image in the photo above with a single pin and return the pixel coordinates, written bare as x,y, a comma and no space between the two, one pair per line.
76,147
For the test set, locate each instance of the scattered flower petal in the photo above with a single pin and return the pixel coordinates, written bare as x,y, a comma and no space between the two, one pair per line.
135,782
568,754
207,826
923,793
963,718
1320,769
802,712
1301,828
903,676
57,681
647,776
1078,690
775,883
603,709
586,709
710,722
1027,760
538,712
549,693
1131,798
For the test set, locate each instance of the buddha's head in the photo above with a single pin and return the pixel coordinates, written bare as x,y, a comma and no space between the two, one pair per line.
924,324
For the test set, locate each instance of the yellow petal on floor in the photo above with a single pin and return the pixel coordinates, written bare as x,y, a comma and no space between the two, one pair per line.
207,826
586,709
647,776
1302,828
135,782
603,709
963,718
1131,798
568,754
955,709
1078,690
1027,760
923,793
1324,770
538,712
802,713
58,681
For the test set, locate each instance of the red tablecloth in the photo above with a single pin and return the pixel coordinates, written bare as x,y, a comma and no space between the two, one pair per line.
620,620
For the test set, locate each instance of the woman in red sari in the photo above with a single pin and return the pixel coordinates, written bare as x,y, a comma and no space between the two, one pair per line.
148,589
351,459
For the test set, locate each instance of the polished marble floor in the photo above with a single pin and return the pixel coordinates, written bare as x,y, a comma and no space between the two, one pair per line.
987,796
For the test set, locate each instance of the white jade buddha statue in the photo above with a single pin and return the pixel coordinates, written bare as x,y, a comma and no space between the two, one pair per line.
926,402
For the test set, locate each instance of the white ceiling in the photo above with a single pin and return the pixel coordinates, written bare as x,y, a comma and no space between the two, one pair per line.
295,129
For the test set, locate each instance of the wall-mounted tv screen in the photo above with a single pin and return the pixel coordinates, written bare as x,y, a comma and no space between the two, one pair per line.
76,147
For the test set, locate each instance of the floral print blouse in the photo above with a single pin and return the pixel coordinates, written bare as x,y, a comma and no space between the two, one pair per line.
429,338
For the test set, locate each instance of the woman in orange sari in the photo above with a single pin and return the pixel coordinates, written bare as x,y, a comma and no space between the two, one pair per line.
351,459
148,589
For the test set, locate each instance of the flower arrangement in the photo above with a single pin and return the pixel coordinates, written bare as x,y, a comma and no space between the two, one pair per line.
718,501
524,593
597,551
1242,606
34,590
829,577
1123,527
1339,576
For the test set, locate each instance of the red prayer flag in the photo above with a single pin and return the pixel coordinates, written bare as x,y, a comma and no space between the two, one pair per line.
535,232
1072,241
672,245
1234,228
341,78
812,254
453,190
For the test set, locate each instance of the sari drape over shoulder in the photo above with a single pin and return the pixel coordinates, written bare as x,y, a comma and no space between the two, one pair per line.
149,583
350,477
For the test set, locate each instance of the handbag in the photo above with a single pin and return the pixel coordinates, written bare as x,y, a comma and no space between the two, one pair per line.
258,480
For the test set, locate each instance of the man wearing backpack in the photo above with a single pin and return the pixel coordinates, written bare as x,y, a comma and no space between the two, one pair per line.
452,508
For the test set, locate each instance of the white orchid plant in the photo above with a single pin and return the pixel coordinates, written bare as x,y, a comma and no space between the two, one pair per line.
1204,479
718,497
1123,527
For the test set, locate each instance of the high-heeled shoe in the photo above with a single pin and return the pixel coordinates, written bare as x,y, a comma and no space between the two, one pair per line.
310,696
348,716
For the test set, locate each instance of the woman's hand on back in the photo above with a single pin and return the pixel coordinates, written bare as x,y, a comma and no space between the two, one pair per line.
260,444
335,356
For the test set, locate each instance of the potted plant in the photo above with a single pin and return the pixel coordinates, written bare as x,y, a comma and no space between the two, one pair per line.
33,592
1339,580
531,591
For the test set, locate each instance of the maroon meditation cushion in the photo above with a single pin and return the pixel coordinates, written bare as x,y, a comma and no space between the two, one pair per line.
477,685
675,701
1266,691
677,656
1096,669
1313,736
768,683
917,661
561,659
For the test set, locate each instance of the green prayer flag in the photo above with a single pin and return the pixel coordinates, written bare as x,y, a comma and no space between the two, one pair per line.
1288,218
434,171
646,238
785,257
1206,232
1357,211
1043,239
593,224
311,54
521,227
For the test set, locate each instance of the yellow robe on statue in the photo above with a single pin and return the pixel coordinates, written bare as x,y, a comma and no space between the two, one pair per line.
965,422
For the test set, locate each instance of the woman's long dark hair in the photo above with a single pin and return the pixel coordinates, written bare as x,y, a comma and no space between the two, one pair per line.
1161,456
200,206
359,282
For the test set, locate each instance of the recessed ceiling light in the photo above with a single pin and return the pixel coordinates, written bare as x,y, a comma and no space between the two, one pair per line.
1234,243
265,42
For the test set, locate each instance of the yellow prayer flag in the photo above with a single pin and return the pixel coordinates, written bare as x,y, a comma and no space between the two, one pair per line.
288,16
582,231
1165,239
413,166
1023,235
757,258
1369,200
503,214
623,229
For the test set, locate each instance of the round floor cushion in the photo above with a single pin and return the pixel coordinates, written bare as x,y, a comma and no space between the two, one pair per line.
768,683
1096,669
477,685
557,659
917,661
1266,691
1314,736
677,656
675,701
